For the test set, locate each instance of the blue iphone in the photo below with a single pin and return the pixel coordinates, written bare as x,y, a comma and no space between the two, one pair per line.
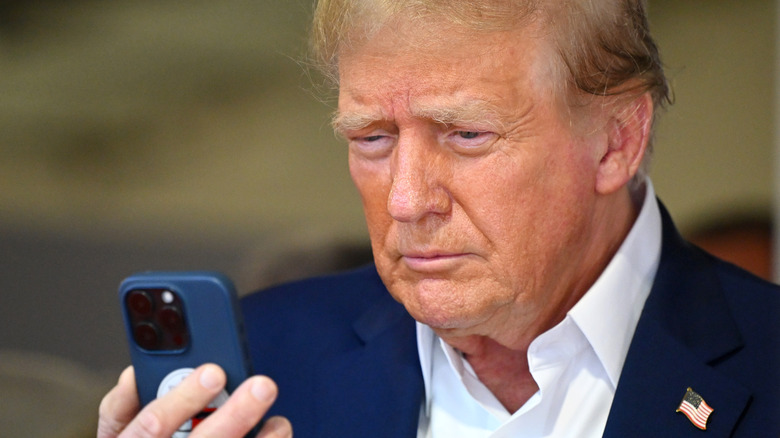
176,321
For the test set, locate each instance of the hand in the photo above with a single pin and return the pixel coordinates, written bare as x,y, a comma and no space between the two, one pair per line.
120,416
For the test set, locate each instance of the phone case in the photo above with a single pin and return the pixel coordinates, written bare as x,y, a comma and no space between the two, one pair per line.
214,331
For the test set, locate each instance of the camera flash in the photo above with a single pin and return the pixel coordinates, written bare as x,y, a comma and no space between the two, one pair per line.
167,297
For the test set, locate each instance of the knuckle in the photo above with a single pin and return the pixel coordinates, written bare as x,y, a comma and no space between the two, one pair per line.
108,424
245,420
148,424
108,427
103,408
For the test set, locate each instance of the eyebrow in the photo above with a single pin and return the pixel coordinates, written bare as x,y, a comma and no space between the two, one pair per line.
459,113
466,113
353,121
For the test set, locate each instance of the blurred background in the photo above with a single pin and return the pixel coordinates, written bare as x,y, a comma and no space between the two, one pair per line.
187,135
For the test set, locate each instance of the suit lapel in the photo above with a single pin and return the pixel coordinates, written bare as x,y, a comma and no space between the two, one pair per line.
685,327
382,374
653,383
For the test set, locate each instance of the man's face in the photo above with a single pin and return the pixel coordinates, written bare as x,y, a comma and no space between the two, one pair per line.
477,190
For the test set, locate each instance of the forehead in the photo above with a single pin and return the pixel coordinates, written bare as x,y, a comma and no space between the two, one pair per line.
419,68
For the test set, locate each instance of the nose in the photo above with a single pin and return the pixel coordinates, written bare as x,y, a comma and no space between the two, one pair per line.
419,174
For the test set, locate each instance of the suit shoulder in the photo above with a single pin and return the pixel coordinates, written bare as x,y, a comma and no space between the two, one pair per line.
356,287
753,300
320,310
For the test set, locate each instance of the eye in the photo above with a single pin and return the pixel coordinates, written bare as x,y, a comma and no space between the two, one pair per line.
375,145
468,135
471,141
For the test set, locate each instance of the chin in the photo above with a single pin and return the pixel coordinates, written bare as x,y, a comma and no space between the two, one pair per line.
442,303
439,321
442,313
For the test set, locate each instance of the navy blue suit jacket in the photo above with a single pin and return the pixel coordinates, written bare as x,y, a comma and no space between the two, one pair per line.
344,353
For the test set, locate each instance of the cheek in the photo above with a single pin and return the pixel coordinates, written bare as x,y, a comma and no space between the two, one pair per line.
373,185
558,209
521,203
497,195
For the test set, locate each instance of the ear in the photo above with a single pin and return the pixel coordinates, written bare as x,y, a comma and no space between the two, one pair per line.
628,133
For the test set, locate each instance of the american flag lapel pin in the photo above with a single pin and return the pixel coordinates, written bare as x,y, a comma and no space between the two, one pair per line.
695,408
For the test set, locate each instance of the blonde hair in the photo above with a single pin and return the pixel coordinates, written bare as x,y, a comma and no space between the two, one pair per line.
604,46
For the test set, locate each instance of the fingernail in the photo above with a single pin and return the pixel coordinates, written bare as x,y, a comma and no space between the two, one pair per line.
263,389
277,427
210,378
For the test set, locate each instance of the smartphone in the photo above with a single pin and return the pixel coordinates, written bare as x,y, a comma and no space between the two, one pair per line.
176,321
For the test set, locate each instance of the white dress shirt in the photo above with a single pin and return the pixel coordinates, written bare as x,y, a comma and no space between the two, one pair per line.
576,364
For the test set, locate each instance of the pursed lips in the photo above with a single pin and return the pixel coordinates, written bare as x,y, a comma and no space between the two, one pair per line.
432,261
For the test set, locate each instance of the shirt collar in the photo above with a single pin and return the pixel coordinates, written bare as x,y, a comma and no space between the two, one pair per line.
426,340
608,313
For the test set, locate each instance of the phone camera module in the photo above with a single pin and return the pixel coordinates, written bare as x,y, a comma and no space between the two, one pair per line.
157,318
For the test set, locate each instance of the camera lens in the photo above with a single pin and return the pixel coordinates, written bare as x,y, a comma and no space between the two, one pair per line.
179,339
140,302
146,335
170,318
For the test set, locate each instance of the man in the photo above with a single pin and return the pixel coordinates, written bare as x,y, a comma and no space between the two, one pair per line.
500,150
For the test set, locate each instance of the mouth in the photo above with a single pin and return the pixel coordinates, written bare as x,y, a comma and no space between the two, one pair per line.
433,261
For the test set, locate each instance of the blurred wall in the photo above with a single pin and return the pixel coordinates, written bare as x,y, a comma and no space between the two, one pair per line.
776,228
160,118
714,154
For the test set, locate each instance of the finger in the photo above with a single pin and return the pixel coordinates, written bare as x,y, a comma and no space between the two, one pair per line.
276,427
163,416
243,410
119,406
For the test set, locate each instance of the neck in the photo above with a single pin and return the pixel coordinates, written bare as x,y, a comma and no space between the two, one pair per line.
502,370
